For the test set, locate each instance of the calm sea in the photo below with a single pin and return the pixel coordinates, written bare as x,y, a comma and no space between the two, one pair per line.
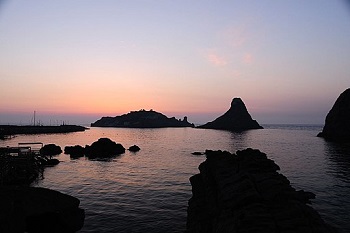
148,191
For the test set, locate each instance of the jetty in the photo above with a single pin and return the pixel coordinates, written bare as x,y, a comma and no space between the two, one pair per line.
7,131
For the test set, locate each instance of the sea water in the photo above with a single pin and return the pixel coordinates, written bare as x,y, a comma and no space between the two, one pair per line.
148,191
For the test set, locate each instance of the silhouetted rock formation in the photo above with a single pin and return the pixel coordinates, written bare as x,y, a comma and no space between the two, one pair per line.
142,119
242,192
74,151
337,124
236,118
29,209
104,147
50,150
134,148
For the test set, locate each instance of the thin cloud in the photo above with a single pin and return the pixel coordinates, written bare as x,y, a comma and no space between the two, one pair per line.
216,59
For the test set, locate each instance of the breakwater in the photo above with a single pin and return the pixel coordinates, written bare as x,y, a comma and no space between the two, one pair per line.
6,130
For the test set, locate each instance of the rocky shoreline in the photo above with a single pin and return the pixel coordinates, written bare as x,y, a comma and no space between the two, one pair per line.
243,192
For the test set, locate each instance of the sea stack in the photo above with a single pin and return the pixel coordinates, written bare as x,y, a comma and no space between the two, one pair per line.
236,118
337,124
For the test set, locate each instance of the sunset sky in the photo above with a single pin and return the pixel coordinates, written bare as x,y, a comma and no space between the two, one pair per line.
80,60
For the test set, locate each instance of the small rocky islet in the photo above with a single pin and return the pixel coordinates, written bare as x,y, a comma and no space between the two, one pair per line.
237,118
102,148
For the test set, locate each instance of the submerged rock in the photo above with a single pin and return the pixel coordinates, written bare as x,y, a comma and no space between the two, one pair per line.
104,147
49,162
236,118
29,209
197,153
243,192
337,123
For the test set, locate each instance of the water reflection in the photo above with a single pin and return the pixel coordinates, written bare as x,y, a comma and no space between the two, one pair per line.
149,191
239,140
338,155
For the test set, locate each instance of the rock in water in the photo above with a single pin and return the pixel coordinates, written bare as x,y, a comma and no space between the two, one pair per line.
337,124
104,148
51,149
134,148
75,151
236,118
243,192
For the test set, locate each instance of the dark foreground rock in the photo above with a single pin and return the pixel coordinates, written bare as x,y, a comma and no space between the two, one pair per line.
142,119
236,118
243,192
104,148
29,209
337,124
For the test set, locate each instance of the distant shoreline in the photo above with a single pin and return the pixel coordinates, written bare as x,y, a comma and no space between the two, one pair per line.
8,130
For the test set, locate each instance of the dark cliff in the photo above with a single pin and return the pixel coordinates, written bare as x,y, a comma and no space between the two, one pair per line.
236,118
142,119
337,123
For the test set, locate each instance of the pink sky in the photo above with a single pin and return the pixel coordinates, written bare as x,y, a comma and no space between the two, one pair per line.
78,61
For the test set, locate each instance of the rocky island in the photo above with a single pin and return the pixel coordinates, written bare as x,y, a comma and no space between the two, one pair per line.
243,192
236,118
142,119
337,123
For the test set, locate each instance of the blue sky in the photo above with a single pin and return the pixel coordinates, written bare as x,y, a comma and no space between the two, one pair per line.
80,60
